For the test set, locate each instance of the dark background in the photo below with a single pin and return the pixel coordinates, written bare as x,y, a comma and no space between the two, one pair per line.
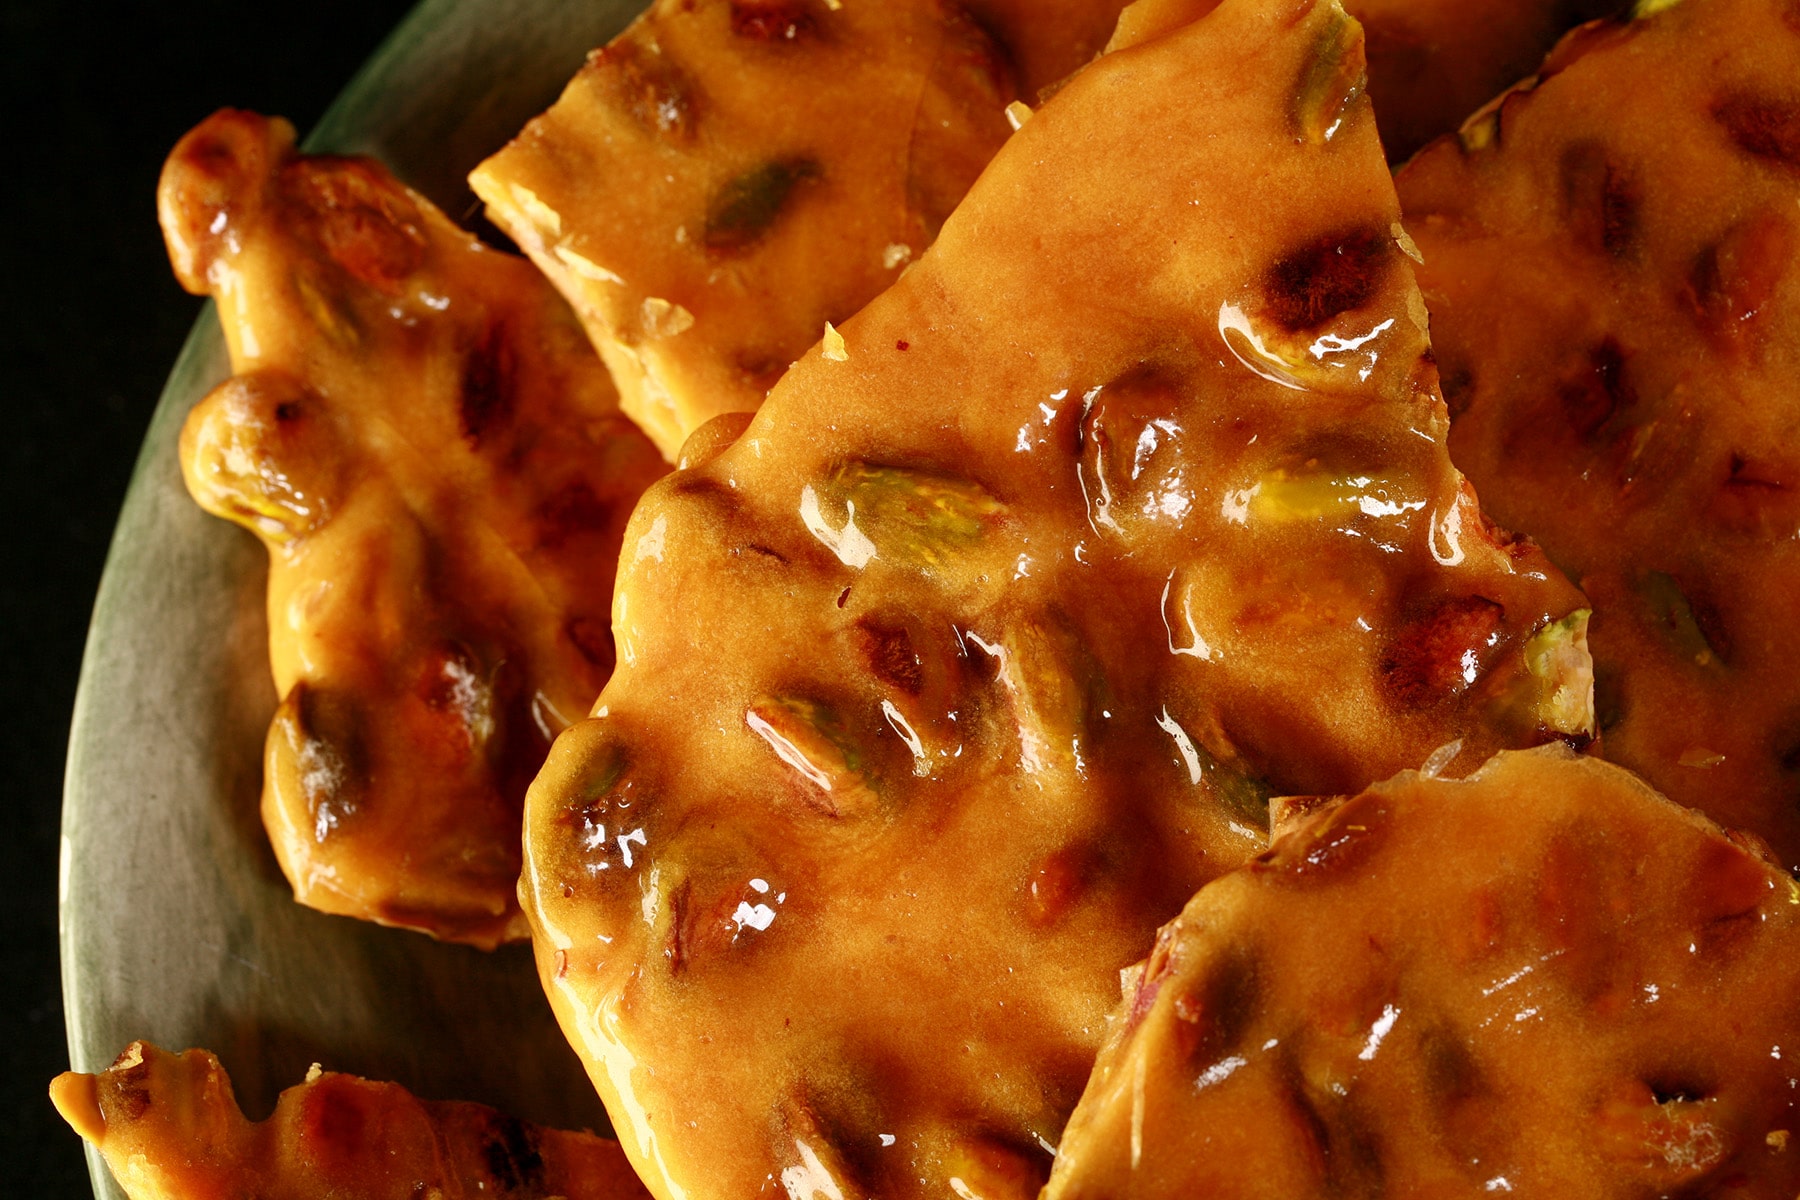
94,94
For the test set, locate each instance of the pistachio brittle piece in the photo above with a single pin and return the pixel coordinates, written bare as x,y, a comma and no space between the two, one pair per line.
726,177
1613,272
1543,980
990,569
420,435
170,1129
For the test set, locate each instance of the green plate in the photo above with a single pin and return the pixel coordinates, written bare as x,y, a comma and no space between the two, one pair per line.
177,926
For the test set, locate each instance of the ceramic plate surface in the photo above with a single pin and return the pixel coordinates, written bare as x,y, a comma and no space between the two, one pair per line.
177,925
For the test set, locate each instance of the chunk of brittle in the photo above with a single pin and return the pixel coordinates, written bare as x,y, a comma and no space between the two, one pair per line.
726,177
1613,272
420,435
1543,980
977,652
170,1129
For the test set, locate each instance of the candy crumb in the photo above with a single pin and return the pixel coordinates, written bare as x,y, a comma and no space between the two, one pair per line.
834,348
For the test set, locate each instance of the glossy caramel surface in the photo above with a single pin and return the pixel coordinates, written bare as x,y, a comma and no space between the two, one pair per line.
984,643
727,176
420,435
170,1129
1612,263
1544,980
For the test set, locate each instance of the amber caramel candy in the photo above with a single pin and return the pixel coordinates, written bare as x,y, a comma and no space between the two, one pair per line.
1543,980
1612,263
727,176
983,644
170,1129
419,433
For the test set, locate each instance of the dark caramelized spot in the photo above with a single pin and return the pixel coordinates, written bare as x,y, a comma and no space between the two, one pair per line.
510,1150
569,512
486,397
1303,1117
1600,198
771,20
757,552
130,1084
1348,1151
365,223
650,88
1598,390
744,209
722,499
1734,279
1690,624
1727,883
1759,497
1056,884
1451,1073
1223,1004
890,654
1440,654
762,370
1676,1088
1329,276
1458,386
973,46
334,1120
593,638
1762,127
1339,846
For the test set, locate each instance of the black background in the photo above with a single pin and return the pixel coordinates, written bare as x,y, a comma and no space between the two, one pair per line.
94,95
